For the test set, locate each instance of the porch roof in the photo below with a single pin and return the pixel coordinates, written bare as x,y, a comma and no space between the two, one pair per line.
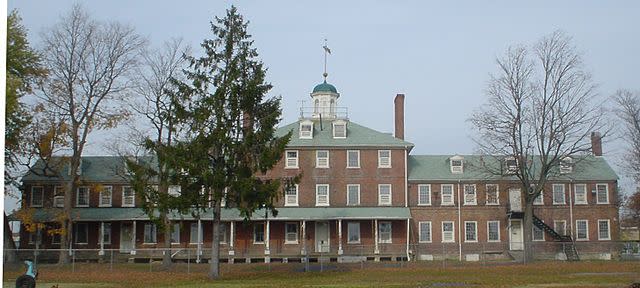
287,213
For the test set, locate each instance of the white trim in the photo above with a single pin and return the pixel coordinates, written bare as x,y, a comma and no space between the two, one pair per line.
173,230
41,196
253,233
349,233
324,158
486,192
457,169
489,231
86,225
575,191
306,134
442,203
100,204
358,202
339,123
153,235
553,194
533,228
197,234
328,202
78,196
380,165
608,229
453,232
380,202
586,230
133,197
286,233
564,226
475,226
286,196
475,195
292,165
541,197
420,232
358,154
385,241
606,190
428,186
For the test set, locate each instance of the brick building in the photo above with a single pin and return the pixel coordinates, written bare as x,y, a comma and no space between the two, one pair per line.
362,196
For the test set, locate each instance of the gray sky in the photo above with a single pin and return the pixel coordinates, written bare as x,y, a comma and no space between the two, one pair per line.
439,54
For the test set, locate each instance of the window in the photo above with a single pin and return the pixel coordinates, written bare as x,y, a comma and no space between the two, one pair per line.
602,196
35,236
322,195
128,197
384,194
306,130
581,193
560,226
456,164
492,194
174,190
106,194
425,232
511,165
353,232
223,233
470,231
82,233
424,194
292,159
384,232
258,233
291,196
150,233
447,194
558,194
56,238
82,197
37,196
448,235
340,130
603,230
384,158
322,159
566,165
106,233
493,231
582,230
353,194
291,233
175,233
538,234
58,198
539,199
353,159
193,234
470,194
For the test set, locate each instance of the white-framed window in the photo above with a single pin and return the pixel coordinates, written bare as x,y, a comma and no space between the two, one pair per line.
223,233
353,232
291,233
150,233
558,194
353,158
424,232
493,196
539,200
82,233
306,130
470,194
603,229
538,234
582,230
175,190
566,165
58,197
384,194
424,194
448,234
291,159
446,191
470,231
456,163
511,165
193,234
37,196
175,233
384,232
106,195
322,194
258,233
339,129
602,194
322,159
291,196
353,194
128,197
560,226
493,231
580,193
106,233
384,158
82,197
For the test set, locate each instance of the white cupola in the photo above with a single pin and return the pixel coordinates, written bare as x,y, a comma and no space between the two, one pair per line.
325,100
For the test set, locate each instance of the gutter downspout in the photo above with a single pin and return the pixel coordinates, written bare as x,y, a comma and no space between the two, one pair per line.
406,193
459,225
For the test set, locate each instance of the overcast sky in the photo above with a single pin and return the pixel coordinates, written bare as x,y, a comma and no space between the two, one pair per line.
439,54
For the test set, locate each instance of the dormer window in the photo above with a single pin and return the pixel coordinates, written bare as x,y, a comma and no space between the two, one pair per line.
306,130
566,165
511,165
79,172
339,129
457,164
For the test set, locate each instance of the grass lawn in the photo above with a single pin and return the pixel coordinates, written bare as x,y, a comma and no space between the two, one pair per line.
421,274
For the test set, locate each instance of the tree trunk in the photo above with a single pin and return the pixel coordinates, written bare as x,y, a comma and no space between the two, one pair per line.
10,253
67,225
214,270
166,257
527,228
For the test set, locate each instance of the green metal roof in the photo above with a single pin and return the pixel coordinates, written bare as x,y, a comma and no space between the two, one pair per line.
93,168
289,213
437,167
325,87
357,136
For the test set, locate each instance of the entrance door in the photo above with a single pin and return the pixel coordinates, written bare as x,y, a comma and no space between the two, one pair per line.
515,198
126,237
322,237
516,238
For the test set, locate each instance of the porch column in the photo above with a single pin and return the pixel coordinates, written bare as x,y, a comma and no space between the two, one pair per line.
340,237
266,239
101,252
376,250
304,238
232,238
133,239
199,245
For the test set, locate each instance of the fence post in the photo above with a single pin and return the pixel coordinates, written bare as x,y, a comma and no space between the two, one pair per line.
188,261
111,264
444,257
73,260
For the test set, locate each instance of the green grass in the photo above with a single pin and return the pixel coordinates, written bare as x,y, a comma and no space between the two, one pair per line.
421,274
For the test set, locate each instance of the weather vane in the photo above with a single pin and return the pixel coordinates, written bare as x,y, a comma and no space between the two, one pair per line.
326,51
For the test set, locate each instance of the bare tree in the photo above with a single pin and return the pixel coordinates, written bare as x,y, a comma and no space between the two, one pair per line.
540,112
628,110
89,62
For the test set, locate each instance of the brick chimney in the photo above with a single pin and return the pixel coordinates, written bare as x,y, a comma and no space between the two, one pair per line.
596,143
399,115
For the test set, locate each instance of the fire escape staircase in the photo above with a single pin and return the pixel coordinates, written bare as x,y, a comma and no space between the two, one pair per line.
568,246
